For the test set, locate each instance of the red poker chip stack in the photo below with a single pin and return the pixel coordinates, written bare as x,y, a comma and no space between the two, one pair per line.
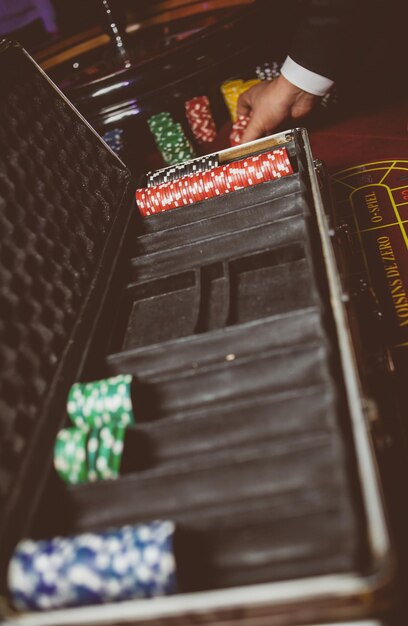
238,129
201,121
216,182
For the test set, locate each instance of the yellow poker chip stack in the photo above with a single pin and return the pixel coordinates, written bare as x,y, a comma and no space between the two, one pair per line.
232,89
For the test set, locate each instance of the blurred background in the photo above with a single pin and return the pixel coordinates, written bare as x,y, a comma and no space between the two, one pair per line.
133,68
121,62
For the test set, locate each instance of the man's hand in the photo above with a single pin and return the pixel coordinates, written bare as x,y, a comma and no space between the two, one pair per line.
270,103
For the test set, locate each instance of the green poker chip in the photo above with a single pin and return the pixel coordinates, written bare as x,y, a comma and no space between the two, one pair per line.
70,455
92,448
110,451
103,461
117,449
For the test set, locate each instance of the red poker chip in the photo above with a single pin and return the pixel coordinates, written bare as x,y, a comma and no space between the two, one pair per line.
183,190
187,193
208,183
154,203
219,185
271,170
230,174
235,175
140,196
199,182
258,172
206,178
166,196
243,175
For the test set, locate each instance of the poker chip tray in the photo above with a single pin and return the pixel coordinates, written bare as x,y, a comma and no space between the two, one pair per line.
250,423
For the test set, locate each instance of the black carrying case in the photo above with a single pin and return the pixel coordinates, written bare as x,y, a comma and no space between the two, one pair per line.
250,433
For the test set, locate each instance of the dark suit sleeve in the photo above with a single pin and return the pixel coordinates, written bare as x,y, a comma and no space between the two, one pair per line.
360,44
327,35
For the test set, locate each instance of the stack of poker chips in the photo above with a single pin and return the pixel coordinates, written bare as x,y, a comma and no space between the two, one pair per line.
238,129
218,181
199,116
168,174
170,139
268,71
232,89
100,402
114,139
94,568
92,449
86,455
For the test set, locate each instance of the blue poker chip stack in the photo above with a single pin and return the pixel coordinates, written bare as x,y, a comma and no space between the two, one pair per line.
114,139
94,568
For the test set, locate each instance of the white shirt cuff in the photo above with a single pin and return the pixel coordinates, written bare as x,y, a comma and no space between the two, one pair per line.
305,79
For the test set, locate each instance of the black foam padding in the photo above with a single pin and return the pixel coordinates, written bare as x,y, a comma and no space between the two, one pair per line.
63,199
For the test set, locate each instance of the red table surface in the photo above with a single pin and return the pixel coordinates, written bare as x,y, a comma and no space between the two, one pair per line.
362,138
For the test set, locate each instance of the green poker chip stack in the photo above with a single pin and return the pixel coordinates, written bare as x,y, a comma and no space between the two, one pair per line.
170,139
100,411
83,455
101,402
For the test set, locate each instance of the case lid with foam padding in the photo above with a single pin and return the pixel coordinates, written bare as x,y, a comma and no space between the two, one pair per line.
64,202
